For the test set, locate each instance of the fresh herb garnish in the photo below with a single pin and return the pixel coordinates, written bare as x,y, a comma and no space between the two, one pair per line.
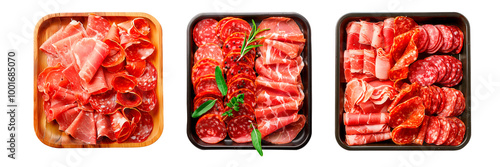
221,83
234,104
245,46
256,139
203,108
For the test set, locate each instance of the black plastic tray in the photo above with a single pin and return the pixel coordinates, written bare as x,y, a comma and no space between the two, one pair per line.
304,136
421,18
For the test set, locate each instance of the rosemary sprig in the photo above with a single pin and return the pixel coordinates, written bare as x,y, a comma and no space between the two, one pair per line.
245,46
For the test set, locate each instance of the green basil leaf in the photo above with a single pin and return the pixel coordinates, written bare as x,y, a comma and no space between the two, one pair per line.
257,140
203,108
229,105
221,83
236,108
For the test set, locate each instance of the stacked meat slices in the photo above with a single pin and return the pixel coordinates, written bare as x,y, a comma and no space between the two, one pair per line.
99,87
366,118
279,94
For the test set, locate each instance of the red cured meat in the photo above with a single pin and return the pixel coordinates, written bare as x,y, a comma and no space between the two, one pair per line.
409,113
143,129
388,32
204,32
439,63
149,78
434,36
370,107
149,100
410,54
423,72
403,24
281,29
211,51
356,59
405,94
202,70
383,91
139,49
74,27
267,126
97,84
42,79
287,133
240,129
353,140
366,33
232,26
116,52
104,103
64,48
366,129
129,99
136,68
83,128
231,60
211,129
62,100
423,40
383,63
90,57
232,43
135,27
366,119
461,132
378,38
122,82
422,131
451,99
275,52
460,37
120,124
404,134
66,118
288,72
97,27
221,23
356,91
447,38
453,131
207,84
239,84
246,109
347,67
104,128
444,131
249,95
240,69
369,62
217,109
433,130
353,29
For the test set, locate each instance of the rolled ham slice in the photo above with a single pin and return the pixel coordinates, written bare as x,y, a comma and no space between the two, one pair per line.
388,32
366,33
383,63
378,37
366,119
366,138
369,62
366,129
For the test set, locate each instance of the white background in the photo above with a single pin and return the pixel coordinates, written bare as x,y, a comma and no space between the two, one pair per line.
174,149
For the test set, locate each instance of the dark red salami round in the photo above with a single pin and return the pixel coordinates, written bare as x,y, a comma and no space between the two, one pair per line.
132,115
218,108
148,79
210,129
240,129
461,132
423,72
444,132
453,69
239,84
207,84
128,99
436,99
149,100
116,68
143,129
443,99
423,39
449,104
104,103
211,51
249,95
458,75
204,32
460,37
202,70
234,25
456,38
440,65
434,36
453,132
136,68
459,104
447,36
433,130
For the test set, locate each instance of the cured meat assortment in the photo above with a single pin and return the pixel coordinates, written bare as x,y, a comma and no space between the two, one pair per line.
271,83
390,90
99,85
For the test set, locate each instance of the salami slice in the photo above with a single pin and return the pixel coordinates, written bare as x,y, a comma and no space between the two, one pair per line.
148,79
423,40
135,27
459,109
443,99
136,68
433,130
447,38
409,113
440,65
240,129
202,70
461,132
240,69
454,66
132,115
123,82
451,99
221,23
249,96
403,24
457,78
239,84
120,125
139,49
143,129
423,72
444,131
232,43
426,94
434,36
210,129
460,41
149,100
231,60
207,84
116,52
245,109
104,103
211,51
204,32
117,68
403,135
422,131
453,132
214,94
232,26
217,109
128,99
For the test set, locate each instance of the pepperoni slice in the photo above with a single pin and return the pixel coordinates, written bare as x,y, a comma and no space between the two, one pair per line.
204,32
232,26
240,69
454,66
214,94
139,49
202,70
245,109
240,128
128,99
143,129
405,94
116,52
210,129
149,100
440,65
104,103
217,109
148,79
242,75
442,100
120,125
249,96
231,59
240,83
422,131
232,43
211,51
132,114
207,84
403,24
426,95
122,82
433,130
116,68
135,27
221,23
434,36
461,132
136,68
444,132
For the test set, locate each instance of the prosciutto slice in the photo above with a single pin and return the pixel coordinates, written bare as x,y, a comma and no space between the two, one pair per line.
89,54
281,29
104,128
366,33
83,128
369,62
64,48
287,133
356,58
66,118
279,52
97,27
286,72
366,129
71,29
62,100
367,138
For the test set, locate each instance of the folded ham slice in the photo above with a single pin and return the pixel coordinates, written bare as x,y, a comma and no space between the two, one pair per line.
83,128
366,119
89,54
97,27
287,133
104,128
279,52
284,72
67,117
74,27
366,138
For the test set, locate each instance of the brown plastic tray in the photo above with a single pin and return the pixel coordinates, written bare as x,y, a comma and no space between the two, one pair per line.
304,135
48,133
451,18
